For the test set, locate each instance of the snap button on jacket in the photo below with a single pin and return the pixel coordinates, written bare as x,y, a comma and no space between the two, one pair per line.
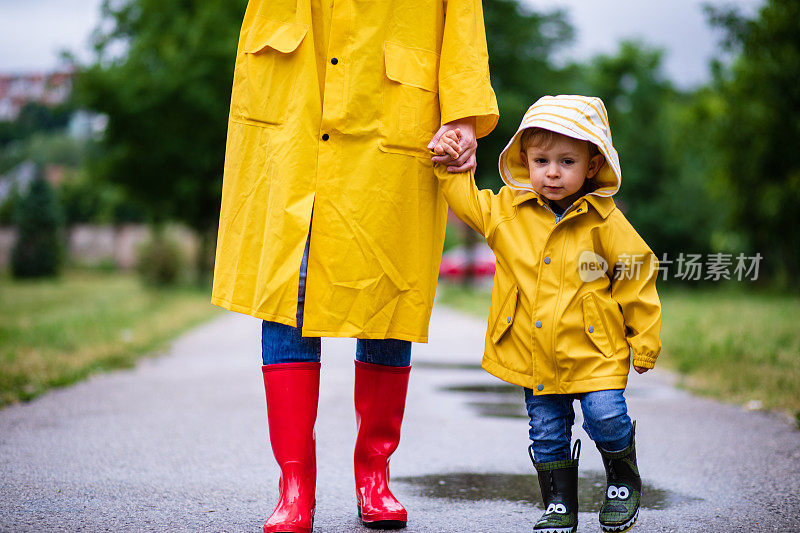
333,105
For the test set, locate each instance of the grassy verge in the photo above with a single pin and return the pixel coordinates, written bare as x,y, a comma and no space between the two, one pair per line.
56,332
736,346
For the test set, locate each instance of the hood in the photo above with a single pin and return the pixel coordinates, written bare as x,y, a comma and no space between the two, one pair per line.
579,117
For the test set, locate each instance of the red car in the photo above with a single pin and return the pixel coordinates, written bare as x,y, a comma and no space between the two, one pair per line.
456,263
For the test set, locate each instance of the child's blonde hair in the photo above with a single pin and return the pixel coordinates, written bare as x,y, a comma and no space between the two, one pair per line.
546,138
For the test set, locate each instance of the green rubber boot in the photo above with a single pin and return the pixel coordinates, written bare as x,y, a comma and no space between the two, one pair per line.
558,481
623,488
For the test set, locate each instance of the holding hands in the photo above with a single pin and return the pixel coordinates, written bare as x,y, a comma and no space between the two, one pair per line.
449,145
461,156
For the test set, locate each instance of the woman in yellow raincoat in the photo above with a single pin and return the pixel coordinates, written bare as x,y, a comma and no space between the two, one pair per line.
334,104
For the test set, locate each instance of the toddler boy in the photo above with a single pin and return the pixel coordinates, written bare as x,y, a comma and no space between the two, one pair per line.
573,300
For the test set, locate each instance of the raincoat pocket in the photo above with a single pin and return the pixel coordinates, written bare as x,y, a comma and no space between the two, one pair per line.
267,73
505,315
595,327
410,100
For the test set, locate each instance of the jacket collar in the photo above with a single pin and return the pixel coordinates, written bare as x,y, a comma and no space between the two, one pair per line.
603,204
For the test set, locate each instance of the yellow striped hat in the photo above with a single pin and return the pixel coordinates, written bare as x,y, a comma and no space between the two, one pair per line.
579,117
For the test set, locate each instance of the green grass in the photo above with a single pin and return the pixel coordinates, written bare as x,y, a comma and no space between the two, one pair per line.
56,332
467,299
732,345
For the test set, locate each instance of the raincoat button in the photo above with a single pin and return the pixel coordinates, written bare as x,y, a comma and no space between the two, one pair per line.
325,136
540,387
508,320
591,329
334,61
546,260
538,323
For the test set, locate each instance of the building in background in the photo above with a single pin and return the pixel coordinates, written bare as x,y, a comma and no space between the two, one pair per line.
16,90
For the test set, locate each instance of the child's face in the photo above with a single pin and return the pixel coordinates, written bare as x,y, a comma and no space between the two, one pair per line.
558,171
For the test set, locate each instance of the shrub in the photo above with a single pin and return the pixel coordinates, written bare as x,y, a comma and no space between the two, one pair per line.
160,261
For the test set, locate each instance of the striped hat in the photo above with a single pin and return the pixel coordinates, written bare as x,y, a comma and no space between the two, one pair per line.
579,117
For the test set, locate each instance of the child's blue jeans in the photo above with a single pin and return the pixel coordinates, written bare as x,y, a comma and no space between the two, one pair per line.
605,419
285,344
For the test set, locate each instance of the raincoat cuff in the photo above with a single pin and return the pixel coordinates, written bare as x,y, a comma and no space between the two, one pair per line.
644,361
443,176
469,94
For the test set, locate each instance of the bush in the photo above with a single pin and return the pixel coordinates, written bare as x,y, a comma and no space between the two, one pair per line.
39,250
160,261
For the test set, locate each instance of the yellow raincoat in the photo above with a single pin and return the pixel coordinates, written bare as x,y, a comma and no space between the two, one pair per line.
570,299
334,102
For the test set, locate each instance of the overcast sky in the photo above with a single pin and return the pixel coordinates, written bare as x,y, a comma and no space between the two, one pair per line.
33,31
677,26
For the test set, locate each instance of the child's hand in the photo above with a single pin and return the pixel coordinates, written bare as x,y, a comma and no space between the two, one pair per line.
640,370
468,143
449,144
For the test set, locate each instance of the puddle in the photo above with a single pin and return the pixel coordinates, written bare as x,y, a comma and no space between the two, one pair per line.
524,489
499,388
495,400
508,401
499,409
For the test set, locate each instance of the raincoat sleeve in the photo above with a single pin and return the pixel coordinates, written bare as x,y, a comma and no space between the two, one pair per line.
470,204
465,89
633,287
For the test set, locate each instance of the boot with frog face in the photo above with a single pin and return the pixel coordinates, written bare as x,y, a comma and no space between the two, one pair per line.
623,488
558,481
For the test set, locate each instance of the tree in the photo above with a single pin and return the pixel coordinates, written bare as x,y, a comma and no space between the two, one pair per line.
167,98
662,136
83,201
38,251
758,129
35,118
8,206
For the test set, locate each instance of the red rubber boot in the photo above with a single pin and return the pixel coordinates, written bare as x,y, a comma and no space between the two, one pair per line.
292,395
380,399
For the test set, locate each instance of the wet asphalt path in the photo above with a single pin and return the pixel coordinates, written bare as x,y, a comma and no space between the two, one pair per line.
180,444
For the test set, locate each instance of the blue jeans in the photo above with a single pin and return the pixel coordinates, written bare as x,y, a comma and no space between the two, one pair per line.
285,344
605,419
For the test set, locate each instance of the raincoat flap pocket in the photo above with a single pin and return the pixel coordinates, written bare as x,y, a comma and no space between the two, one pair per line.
412,66
284,37
506,315
595,326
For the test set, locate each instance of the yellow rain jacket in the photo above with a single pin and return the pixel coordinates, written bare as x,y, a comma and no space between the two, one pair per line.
334,103
570,299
